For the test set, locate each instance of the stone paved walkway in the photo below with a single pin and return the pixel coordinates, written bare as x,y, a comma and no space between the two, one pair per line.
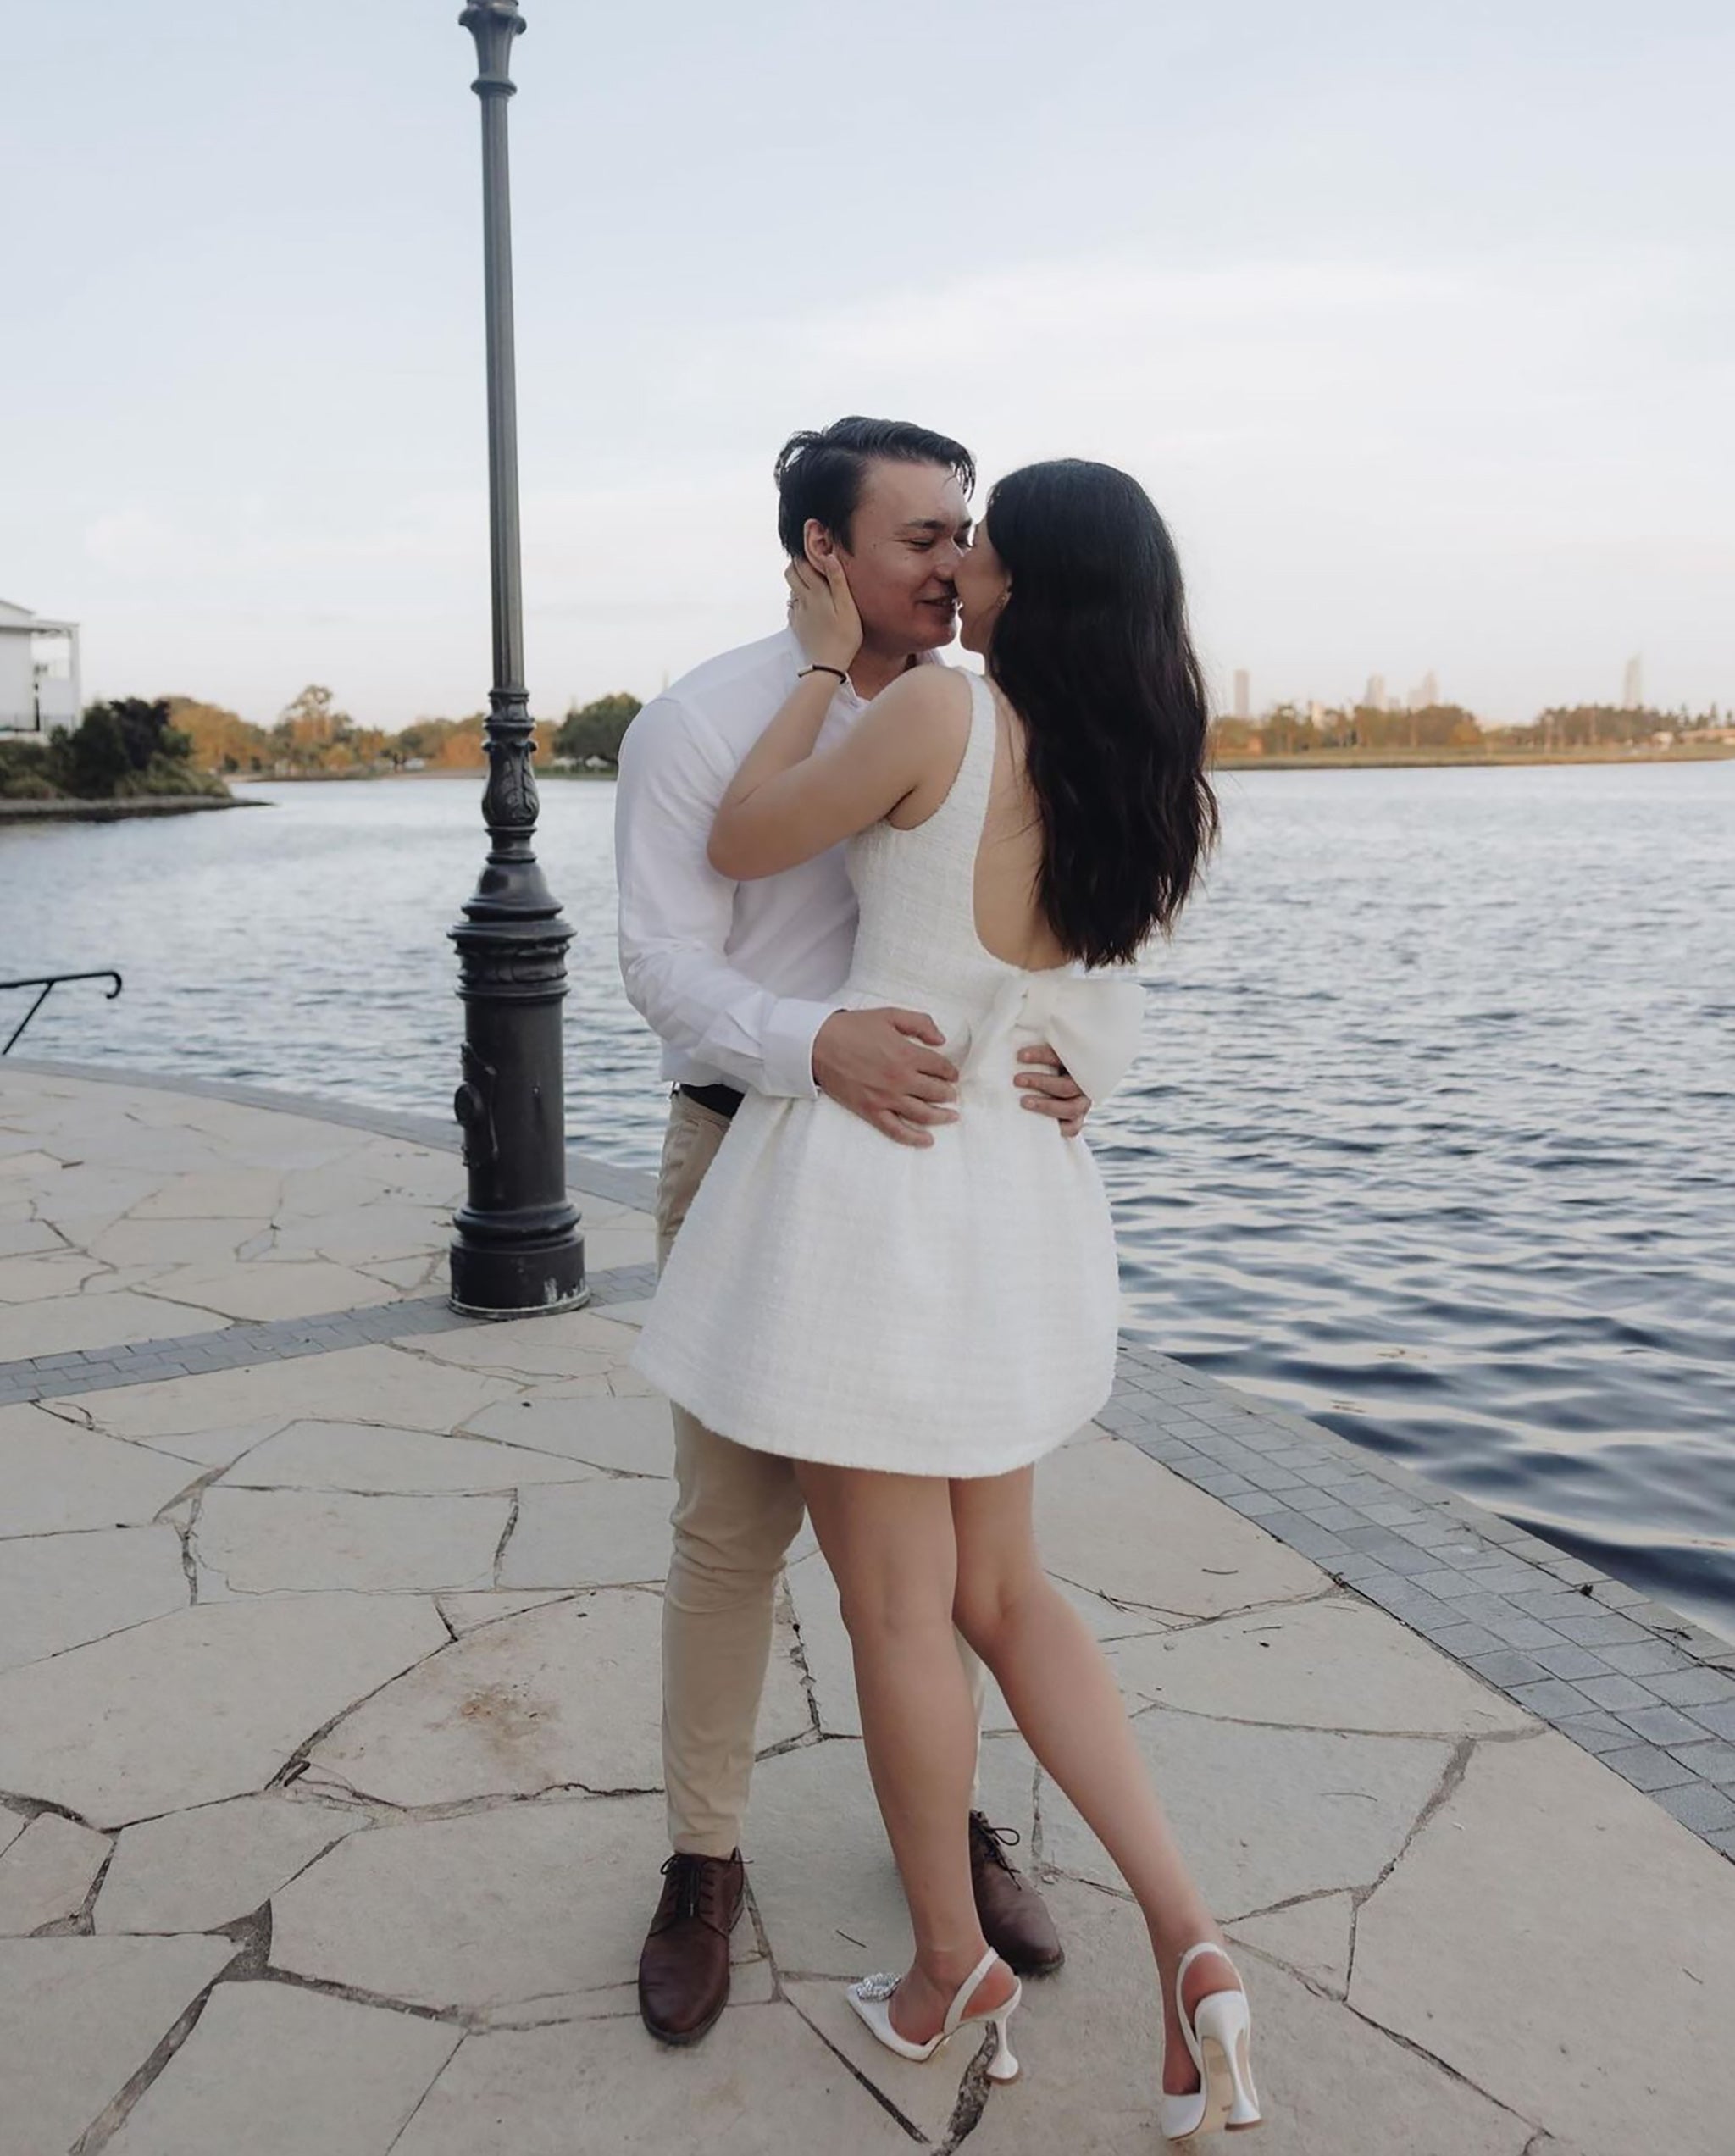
329,1815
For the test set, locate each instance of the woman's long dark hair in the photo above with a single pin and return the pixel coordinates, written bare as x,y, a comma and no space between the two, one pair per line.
1091,650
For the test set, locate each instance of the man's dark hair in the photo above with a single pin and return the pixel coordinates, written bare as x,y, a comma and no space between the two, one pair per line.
821,474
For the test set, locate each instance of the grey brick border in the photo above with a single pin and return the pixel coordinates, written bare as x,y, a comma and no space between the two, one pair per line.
1648,1692
1643,1688
233,1347
228,1347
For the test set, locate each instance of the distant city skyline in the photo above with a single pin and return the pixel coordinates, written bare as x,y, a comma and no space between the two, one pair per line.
1425,696
1471,408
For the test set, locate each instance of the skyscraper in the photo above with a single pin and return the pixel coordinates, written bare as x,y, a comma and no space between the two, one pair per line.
1429,694
1243,694
1375,698
1632,689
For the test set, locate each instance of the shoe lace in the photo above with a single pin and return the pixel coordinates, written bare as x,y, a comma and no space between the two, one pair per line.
992,1841
688,1874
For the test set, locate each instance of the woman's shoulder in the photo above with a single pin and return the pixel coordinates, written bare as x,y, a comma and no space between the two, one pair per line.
922,721
922,695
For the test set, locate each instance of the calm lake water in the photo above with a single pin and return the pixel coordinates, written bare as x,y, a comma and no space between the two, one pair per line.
1431,1139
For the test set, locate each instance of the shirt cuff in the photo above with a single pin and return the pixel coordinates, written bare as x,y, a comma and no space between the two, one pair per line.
788,1048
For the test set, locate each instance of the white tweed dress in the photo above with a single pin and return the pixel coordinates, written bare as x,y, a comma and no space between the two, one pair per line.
951,1310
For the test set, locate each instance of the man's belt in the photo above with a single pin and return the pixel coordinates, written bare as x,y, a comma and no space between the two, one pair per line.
721,1099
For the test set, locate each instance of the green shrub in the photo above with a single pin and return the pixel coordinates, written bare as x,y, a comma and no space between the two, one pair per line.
594,731
26,786
26,772
125,748
161,776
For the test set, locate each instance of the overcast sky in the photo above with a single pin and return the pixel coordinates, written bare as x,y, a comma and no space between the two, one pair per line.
1416,322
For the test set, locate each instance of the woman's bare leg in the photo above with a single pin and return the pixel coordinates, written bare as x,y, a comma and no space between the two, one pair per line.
889,1540
1062,1694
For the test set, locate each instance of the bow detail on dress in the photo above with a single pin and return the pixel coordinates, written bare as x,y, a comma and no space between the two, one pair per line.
1092,1021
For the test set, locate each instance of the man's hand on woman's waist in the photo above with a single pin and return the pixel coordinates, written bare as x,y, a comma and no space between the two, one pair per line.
1051,1089
886,1067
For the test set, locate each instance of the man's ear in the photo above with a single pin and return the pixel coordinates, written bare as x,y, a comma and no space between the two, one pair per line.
816,541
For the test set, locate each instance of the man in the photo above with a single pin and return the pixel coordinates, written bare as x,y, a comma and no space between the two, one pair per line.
737,979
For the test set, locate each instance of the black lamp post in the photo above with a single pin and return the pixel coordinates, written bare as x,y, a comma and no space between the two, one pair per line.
517,1248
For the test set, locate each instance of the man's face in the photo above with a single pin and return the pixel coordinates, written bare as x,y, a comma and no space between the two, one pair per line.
908,535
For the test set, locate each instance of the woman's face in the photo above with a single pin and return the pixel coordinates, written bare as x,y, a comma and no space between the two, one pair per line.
981,585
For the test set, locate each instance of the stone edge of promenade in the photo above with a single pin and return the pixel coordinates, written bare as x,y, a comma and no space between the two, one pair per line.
118,810
1626,1677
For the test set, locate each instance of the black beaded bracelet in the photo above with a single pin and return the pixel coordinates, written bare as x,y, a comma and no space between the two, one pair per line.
837,670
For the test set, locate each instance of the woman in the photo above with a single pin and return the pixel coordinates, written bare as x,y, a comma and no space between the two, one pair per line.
916,1325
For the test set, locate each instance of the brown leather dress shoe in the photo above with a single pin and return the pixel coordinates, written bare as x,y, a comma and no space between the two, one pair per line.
683,1969
1015,1919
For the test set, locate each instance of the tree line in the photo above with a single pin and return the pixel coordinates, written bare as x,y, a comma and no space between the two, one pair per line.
1290,729
180,745
170,744
312,738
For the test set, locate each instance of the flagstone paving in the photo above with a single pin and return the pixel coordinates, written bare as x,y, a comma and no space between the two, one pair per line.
330,1802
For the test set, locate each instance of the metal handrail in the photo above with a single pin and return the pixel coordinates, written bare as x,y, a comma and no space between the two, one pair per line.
48,982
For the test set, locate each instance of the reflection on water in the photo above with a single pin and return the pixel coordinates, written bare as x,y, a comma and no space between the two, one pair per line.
1430,1139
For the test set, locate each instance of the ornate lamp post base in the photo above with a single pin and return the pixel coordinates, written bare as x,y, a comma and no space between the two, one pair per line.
518,1251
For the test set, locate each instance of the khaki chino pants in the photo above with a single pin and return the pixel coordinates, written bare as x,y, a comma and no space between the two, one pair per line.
736,1513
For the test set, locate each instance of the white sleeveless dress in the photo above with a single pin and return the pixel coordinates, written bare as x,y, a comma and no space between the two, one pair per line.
953,1310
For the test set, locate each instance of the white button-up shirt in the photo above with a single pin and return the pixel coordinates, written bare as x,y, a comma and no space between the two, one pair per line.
735,978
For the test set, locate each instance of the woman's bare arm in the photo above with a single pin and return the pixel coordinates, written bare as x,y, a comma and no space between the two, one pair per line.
787,805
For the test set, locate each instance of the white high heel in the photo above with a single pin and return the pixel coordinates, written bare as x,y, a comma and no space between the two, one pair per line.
872,1999
1217,2038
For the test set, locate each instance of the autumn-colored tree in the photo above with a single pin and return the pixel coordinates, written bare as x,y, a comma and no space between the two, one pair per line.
1288,731
309,723
222,741
442,744
460,747
1591,726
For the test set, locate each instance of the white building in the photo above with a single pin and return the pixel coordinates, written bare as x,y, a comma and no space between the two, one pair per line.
39,684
